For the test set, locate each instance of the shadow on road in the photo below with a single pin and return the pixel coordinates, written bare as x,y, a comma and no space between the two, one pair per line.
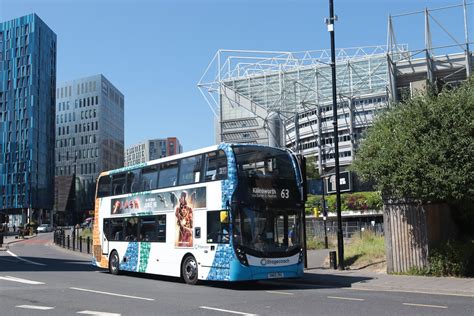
309,281
10,263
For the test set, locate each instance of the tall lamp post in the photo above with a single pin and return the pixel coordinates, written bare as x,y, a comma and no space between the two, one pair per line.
340,240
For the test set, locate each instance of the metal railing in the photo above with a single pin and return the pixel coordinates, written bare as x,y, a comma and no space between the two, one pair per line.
315,229
72,242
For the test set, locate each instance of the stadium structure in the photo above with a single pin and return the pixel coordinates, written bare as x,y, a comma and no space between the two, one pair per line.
285,98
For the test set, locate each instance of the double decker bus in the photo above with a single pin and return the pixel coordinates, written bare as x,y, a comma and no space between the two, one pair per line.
229,212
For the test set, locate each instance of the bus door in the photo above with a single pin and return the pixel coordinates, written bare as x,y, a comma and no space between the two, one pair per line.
105,241
217,234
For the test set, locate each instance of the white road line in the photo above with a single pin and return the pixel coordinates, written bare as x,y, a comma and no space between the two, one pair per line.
44,308
97,313
25,260
346,298
409,291
378,289
226,311
424,305
279,292
13,279
112,294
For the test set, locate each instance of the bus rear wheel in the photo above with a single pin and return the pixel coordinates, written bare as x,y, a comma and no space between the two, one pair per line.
189,270
114,263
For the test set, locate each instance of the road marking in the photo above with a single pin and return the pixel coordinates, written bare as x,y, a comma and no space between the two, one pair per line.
13,279
112,294
409,291
375,289
97,313
279,292
226,311
25,260
424,305
346,298
44,308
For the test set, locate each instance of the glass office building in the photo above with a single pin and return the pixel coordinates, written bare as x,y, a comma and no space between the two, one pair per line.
27,112
89,140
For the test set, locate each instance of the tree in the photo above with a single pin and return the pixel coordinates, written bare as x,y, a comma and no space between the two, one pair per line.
311,169
423,149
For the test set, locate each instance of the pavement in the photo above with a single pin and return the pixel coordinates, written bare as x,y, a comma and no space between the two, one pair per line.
320,275
13,238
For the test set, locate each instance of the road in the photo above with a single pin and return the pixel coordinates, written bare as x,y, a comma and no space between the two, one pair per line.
38,278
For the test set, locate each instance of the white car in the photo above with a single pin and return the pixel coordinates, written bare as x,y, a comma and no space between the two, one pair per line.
44,228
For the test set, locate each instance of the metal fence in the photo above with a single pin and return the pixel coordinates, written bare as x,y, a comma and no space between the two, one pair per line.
315,228
73,242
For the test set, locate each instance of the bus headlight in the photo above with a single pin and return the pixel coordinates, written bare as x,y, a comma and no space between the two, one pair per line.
241,256
300,258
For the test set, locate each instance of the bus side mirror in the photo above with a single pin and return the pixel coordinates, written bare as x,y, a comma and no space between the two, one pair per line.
304,183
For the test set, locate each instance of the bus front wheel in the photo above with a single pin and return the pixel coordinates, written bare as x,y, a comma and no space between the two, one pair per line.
114,263
189,270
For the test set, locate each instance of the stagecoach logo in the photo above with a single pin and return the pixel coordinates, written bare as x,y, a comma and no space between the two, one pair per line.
264,193
274,262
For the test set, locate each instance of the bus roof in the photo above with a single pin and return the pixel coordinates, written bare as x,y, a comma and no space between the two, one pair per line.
173,157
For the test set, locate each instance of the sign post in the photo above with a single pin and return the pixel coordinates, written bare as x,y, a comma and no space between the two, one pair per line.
345,182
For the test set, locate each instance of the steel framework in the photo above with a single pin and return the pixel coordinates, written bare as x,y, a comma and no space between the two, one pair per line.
245,88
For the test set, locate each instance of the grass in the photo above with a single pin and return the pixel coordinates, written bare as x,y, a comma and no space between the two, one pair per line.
317,243
364,250
86,232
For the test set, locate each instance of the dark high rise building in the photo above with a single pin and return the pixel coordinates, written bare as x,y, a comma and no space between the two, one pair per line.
27,83
89,140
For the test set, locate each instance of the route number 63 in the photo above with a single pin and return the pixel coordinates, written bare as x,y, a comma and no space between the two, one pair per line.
285,194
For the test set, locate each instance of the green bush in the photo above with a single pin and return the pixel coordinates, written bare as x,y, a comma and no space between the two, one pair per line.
455,258
452,259
358,201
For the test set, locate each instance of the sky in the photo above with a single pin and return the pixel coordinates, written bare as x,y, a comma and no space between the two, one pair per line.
156,51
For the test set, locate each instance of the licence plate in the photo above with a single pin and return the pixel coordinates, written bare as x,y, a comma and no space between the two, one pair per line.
275,275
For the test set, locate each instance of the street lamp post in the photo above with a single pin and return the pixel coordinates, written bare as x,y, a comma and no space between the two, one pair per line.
340,240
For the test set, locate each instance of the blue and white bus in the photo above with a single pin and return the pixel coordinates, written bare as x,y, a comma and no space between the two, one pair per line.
230,212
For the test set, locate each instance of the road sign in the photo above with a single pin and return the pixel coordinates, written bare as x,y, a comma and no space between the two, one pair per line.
315,186
345,182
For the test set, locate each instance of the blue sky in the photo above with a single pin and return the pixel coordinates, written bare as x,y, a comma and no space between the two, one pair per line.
155,51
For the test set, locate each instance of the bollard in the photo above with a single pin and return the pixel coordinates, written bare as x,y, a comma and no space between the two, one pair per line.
80,243
88,244
68,241
64,240
73,243
332,260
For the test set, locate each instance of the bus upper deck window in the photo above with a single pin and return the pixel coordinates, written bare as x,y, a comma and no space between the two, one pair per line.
133,178
190,170
216,166
118,184
168,174
148,179
104,186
